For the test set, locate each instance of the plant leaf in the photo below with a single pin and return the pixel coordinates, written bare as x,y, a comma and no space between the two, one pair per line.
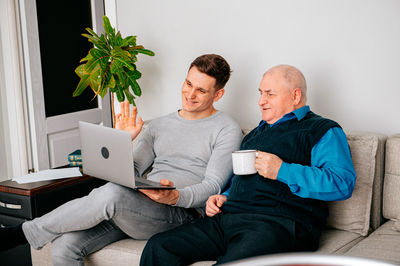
82,85
103,92
79,70
135,74
130,40
96,40
118,39
91,38
119,52
112,82
136,88
117,70
98,57
120,94
105,77
86,58
107,26
94,34
110,32
105,42
94,85
94,79
129,96
125,63
145,51
131,77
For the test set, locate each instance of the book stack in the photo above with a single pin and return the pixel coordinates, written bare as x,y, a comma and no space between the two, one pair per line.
75,158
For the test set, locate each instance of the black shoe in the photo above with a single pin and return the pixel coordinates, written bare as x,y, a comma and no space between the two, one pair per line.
11,236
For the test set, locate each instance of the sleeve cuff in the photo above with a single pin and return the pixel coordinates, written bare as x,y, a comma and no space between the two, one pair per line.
183,199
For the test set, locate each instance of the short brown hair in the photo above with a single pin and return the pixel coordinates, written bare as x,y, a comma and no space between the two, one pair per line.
214,66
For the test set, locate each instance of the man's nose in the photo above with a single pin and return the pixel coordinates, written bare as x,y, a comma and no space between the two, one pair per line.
263,100
192,93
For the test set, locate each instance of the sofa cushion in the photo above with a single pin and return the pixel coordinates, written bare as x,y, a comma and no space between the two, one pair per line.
335,241
382,244
123,252
391,188
376,204
353,214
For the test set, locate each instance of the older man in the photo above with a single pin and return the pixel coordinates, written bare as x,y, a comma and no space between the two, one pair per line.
303,161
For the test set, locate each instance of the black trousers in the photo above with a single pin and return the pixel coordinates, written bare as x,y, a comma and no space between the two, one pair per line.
227,237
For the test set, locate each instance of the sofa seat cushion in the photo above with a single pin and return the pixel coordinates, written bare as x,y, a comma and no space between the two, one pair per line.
41,257
123,252
335,241
383,244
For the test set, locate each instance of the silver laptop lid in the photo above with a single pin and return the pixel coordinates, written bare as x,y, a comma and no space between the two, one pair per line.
107,154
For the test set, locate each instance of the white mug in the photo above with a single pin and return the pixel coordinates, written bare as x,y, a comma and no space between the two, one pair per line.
243,162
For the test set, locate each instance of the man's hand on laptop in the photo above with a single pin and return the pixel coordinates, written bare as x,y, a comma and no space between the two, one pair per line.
169,197
127,122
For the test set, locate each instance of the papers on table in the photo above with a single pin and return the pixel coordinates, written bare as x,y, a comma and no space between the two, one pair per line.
50,174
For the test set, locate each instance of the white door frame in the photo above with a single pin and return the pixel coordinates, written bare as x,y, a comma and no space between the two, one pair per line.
40,126
33,81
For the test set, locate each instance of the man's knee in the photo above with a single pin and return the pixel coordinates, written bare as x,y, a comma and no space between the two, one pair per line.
154,252
110,194
154,243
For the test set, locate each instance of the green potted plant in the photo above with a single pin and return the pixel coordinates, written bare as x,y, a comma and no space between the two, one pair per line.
110,64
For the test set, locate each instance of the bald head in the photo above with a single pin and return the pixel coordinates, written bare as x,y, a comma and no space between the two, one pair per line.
292,77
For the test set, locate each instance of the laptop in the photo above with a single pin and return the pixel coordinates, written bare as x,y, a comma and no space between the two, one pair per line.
107,154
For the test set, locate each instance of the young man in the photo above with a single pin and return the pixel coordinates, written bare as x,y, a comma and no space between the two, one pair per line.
190,148
303,161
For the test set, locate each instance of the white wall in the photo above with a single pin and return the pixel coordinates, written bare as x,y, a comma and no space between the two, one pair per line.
349,51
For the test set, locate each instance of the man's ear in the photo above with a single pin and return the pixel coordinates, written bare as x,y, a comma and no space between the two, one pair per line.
296,96
218,94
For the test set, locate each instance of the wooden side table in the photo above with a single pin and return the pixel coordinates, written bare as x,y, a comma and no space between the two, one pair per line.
21,202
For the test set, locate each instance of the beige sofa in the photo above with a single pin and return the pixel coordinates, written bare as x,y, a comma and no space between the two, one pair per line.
365,225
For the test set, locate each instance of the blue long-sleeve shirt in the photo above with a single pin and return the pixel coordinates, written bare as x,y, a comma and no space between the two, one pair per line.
331,175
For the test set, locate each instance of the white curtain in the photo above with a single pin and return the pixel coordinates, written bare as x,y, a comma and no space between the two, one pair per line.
14,148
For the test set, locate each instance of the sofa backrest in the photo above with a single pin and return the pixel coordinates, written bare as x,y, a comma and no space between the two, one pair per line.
361,213
391,187
376,207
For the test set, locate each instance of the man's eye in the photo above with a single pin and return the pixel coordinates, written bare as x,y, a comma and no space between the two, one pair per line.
203,91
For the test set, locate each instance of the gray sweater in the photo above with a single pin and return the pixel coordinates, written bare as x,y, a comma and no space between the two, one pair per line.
194,154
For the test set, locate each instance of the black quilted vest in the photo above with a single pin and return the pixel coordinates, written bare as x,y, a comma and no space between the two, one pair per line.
292,141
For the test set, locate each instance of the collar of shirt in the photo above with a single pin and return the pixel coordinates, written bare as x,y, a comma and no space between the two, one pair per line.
298,113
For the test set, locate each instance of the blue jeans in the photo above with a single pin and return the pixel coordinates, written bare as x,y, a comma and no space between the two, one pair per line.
109,213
